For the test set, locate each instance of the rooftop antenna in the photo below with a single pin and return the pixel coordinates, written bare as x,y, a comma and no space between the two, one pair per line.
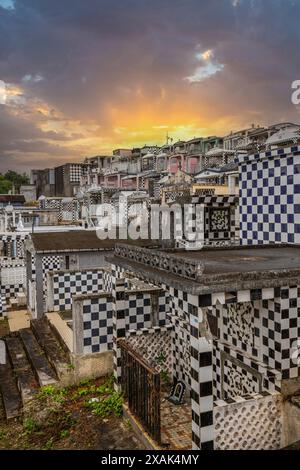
167,138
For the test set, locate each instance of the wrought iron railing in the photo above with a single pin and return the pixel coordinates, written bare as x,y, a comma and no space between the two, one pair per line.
141,388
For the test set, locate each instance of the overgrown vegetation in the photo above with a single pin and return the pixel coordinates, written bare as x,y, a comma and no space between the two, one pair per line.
57,417
106,400
165,377
161,360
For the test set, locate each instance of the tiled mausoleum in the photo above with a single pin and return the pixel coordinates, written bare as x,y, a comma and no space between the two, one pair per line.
270,196
234,329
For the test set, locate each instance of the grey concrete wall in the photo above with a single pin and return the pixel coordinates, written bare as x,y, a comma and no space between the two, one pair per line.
92,259
39,286
77,316
94,365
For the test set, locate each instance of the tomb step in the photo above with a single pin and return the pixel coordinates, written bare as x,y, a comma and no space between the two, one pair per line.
25,378
43,371
56,355
61,331
11,397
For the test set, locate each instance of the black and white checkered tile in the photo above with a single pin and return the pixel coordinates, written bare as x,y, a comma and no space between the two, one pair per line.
185,307
163,307
13,262
119,321
220,223
181,351
270,379
10,291
2,306
239,324
49,263
281,331
107,280
239,381
97,325
13,244
69,283
76,171
270,196
138,311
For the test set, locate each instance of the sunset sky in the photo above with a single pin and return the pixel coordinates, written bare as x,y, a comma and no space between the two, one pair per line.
80,78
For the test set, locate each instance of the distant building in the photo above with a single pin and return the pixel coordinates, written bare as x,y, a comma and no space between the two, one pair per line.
67,178
29,192
122,152
44,180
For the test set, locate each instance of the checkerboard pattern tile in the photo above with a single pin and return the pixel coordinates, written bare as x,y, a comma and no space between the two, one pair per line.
107,280
69,283
50,263
2,306
50,203
13,244
281,330
239,324
251,352
97,325
138,310
269,379
270,197
239,381
180,320
181,351
220,223
290,330
201,392
76,171
13,262
68,208
119,322
271,332
163,307
9,291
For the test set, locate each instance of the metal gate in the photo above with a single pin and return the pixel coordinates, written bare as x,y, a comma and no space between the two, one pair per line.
141,387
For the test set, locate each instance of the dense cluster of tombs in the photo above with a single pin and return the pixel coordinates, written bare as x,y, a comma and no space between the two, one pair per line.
221,324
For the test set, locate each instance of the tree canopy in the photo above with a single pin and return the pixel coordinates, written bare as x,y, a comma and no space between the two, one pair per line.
12,179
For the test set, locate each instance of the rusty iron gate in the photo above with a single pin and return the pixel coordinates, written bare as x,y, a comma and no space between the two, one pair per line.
141,387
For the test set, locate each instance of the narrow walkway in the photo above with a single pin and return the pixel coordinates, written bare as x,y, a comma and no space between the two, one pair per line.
176,425
18,319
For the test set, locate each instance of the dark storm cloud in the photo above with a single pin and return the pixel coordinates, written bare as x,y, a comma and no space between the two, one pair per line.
85,58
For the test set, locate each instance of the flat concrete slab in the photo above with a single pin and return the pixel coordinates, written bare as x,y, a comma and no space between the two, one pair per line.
245,259
62,328
10,394
23,373
44,373
226,269
18,319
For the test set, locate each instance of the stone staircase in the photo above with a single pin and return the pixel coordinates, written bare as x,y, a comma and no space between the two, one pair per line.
35,357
